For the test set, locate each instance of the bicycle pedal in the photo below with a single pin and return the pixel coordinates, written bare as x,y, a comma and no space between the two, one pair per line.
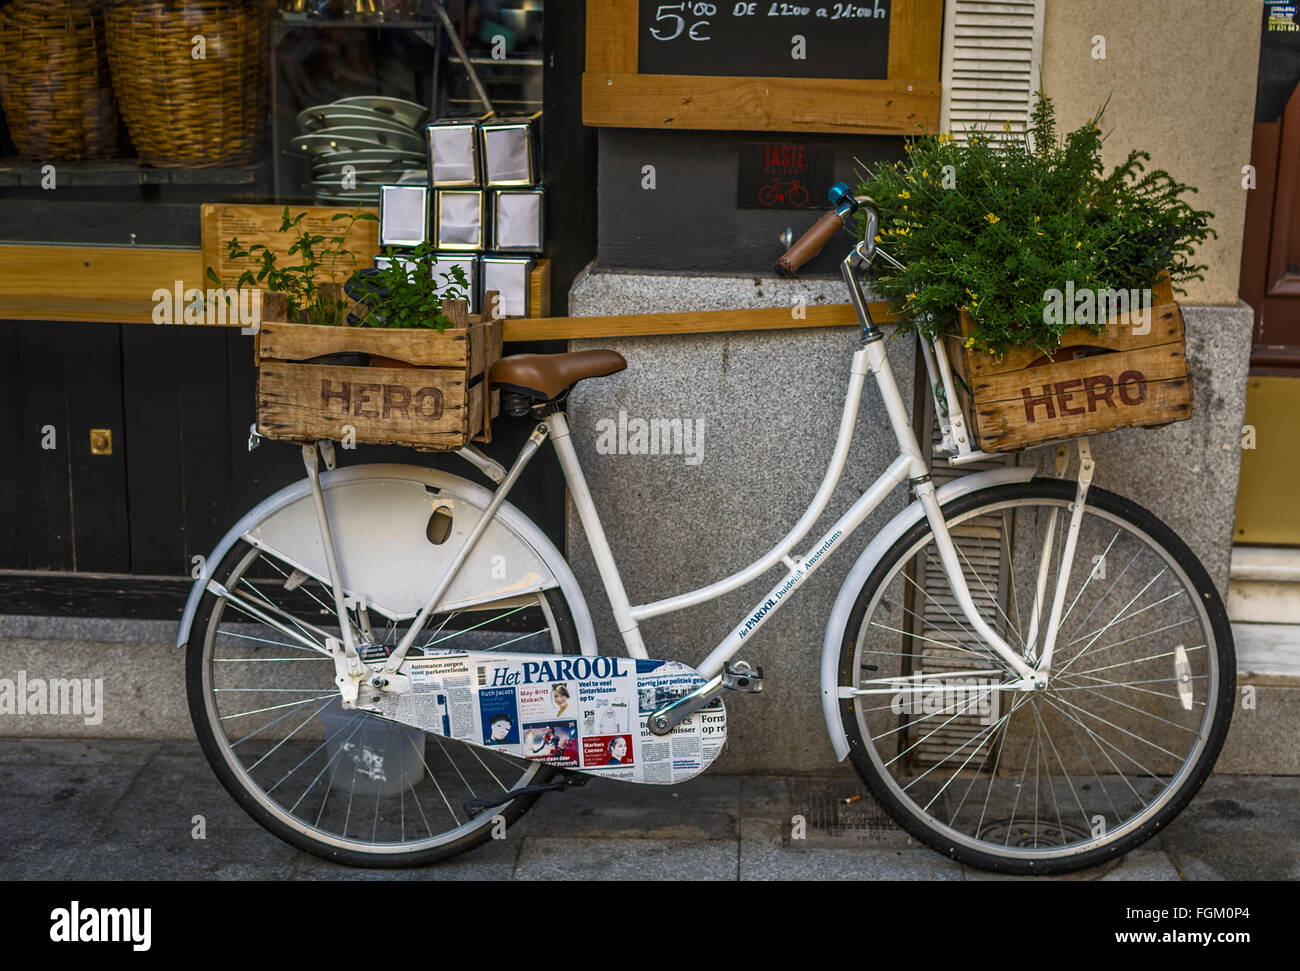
742,676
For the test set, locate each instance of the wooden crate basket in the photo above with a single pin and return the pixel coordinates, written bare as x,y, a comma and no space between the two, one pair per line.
422,388
1094,383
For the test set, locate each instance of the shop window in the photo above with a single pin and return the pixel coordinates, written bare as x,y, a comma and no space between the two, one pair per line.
120,117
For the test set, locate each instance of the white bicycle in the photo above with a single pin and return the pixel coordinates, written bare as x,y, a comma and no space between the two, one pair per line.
1031,674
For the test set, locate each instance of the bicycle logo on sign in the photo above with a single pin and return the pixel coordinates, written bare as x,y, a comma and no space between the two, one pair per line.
791,192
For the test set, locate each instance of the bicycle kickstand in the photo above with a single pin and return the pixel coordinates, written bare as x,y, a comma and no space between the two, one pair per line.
473,807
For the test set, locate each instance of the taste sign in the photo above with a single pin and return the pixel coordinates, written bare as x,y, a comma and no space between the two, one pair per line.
784,175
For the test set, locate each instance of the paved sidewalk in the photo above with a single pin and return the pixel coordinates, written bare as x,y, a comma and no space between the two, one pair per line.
114,810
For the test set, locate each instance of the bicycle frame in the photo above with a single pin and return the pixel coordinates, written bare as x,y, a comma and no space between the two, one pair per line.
910,465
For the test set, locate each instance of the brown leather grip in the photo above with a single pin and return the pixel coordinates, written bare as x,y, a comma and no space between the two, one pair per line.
809,244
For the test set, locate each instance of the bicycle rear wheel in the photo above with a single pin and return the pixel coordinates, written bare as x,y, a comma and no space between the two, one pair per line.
346,785
1136,708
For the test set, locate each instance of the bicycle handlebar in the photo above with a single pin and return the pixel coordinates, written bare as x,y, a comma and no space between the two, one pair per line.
809,244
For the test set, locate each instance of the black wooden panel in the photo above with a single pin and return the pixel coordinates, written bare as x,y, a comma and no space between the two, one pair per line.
152,382
18,441
569,151
179,469
93,391
253,475
44,504
205,430
84,595
689,221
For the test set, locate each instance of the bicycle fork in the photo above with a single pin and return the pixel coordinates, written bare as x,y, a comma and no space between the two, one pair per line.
1033,666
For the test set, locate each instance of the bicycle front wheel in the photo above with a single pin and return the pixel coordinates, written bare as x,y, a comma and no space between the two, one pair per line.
347,785
1133,715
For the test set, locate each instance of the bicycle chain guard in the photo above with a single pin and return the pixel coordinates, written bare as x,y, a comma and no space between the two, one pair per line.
582,713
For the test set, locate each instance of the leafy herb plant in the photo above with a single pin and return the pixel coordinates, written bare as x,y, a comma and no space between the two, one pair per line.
991,226
407,291
311,286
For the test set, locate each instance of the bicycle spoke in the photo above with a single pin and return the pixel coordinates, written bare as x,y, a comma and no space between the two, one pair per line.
989,593
1142,711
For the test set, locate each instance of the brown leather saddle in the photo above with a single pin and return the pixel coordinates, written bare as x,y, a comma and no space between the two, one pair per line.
548,377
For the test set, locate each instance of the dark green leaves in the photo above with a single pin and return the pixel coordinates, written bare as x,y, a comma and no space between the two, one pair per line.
406,292
305,283
993,225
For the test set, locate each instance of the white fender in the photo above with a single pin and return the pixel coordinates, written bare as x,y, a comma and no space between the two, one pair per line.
379,515
872,555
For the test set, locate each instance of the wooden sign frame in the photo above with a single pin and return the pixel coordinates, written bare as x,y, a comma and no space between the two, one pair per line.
906,102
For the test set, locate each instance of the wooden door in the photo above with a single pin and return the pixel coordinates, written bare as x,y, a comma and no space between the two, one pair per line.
1270,258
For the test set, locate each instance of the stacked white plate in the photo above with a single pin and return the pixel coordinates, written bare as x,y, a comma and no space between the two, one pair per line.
371,138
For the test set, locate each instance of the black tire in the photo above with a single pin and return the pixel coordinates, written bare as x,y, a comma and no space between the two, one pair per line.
884,761
219,753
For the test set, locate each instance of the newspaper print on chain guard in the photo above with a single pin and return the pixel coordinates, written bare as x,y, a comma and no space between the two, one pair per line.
586,714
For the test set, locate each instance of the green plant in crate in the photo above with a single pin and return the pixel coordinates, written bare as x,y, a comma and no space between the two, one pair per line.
311,286
407,291
990,226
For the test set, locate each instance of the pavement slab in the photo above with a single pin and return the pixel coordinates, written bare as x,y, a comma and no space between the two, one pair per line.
83,809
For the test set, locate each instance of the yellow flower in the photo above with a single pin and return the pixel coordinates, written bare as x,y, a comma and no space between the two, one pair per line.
1079,245
1036,219
911,296
992,218
970,341
1038,234
905,194
1006,126
878,239
925,173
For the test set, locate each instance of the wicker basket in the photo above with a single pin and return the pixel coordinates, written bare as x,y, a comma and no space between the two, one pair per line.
54,81
183,111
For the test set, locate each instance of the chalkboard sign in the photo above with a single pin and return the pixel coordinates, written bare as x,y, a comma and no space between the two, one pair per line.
843,66
763,38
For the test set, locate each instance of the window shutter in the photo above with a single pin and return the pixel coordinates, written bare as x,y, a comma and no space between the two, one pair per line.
992,51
